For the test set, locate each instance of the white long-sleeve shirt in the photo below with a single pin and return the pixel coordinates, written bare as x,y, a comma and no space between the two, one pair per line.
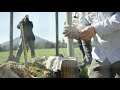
107,38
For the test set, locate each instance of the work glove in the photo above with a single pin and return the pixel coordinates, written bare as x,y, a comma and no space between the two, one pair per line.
71,31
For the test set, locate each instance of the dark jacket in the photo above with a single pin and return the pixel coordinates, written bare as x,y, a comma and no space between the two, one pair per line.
27,28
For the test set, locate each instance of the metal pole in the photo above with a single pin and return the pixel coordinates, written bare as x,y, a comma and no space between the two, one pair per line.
11,33
57,34
70,44
10,57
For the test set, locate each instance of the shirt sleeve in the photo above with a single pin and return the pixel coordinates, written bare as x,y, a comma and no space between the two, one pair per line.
31,23
109,25
83,22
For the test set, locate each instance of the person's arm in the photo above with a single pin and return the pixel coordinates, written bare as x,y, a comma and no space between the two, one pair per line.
73,30
18,26
83,21
31,24
108,26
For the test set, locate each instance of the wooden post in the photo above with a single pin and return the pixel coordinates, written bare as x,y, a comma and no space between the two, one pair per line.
70,44
57,34
23,45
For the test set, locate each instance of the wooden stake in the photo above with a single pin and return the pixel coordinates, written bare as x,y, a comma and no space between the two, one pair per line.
23,45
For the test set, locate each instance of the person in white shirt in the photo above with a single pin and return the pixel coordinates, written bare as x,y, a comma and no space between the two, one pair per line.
104,30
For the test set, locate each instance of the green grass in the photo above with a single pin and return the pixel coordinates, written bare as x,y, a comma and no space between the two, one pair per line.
40,53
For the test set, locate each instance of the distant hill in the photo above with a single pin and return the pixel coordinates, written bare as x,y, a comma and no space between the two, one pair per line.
39,42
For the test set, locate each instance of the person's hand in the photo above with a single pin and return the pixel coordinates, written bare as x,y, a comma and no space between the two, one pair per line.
70,31
87,33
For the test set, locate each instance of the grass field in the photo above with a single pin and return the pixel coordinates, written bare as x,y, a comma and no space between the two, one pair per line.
47,53
40,53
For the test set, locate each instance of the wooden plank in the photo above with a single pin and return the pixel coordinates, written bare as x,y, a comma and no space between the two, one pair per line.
23,45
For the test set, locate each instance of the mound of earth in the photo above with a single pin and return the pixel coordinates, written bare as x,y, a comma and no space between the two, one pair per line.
11,69
36,69
40,64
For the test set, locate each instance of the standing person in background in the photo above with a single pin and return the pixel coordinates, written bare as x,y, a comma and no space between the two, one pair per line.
28,36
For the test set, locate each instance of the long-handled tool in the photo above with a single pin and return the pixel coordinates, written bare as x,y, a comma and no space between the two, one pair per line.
70,45
23,44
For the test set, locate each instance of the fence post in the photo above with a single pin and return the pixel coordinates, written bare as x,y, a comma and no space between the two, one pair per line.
57,34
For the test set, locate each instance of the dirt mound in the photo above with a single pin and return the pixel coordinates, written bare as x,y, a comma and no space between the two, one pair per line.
36,69
39,63
12,69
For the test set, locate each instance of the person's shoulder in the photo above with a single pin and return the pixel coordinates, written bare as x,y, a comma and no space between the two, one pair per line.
30,22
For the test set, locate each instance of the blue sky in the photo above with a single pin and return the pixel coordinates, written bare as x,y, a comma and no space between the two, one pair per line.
44,24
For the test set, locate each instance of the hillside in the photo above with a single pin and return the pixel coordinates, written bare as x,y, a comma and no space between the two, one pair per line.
39,42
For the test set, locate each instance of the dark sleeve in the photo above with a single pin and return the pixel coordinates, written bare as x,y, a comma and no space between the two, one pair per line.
18,26
31,24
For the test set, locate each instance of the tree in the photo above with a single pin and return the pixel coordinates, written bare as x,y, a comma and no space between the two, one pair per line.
0,48
60,44
49,45
39,45
76,44
64,45
15,47
4,48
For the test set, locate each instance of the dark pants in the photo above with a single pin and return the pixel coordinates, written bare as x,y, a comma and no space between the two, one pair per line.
31,44
86,50
104,69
